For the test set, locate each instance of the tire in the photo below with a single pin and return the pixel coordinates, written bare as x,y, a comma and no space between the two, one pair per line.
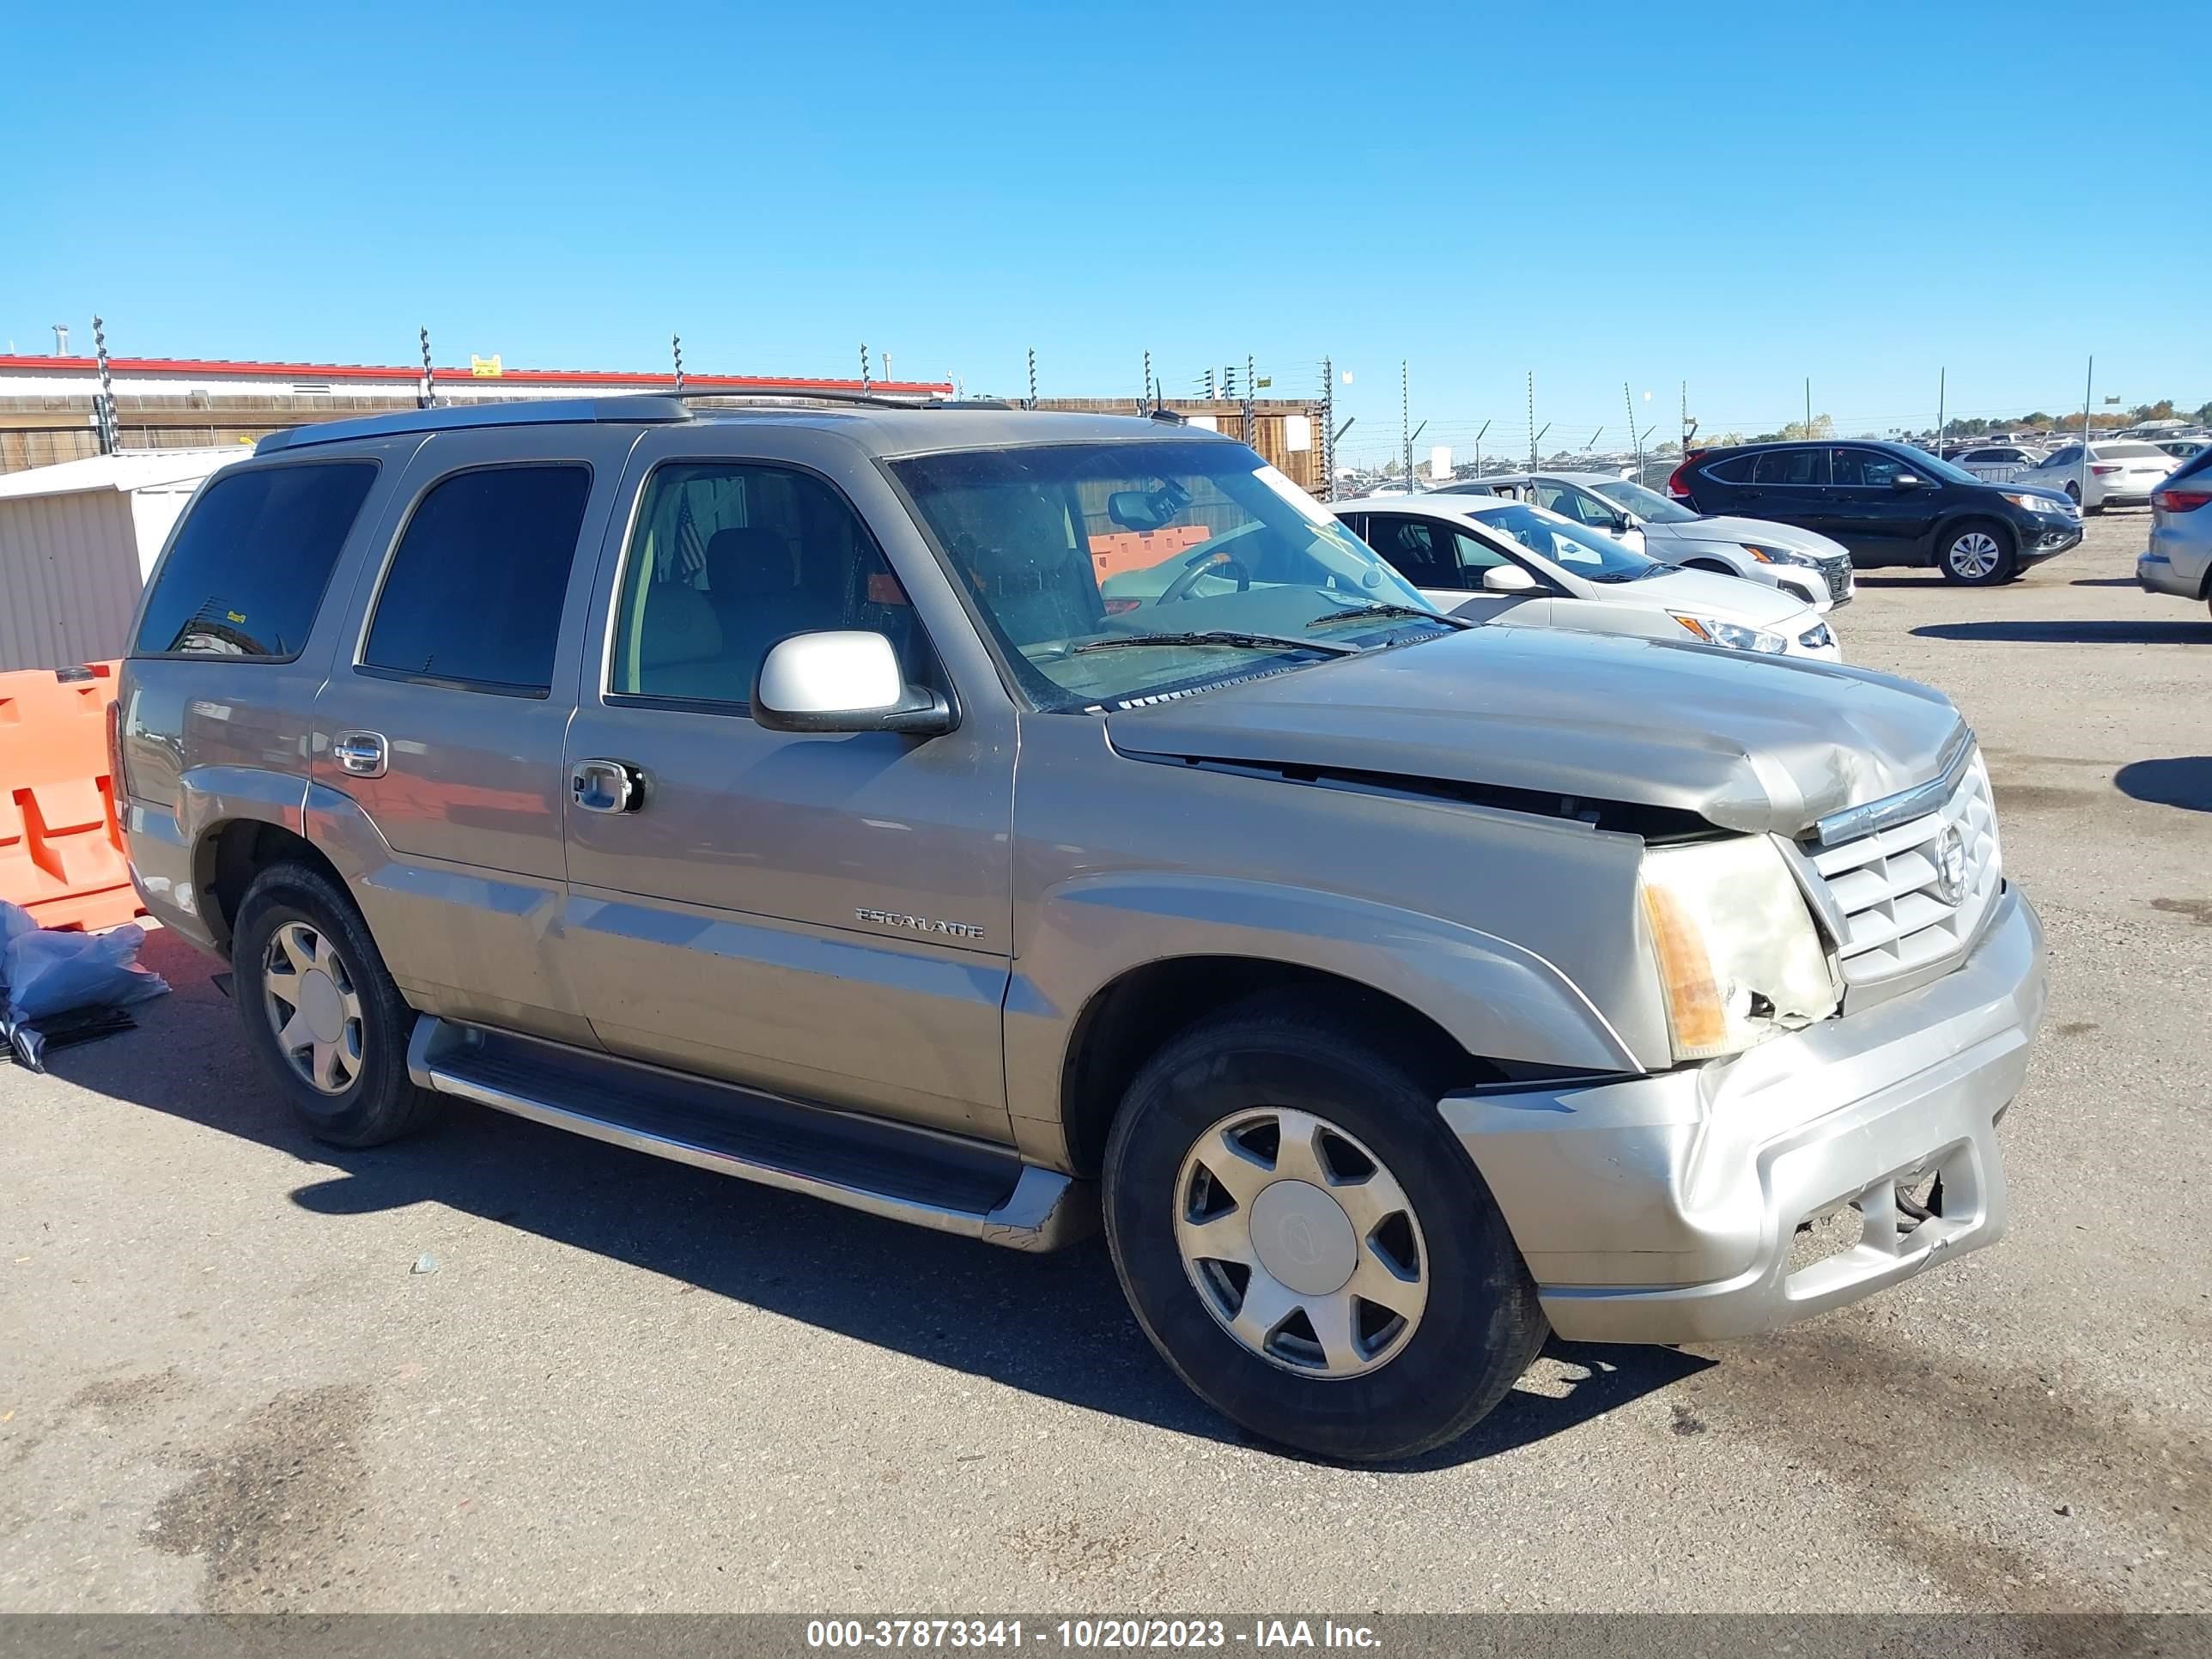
2074,491
1478,1324
1977,553
355,1024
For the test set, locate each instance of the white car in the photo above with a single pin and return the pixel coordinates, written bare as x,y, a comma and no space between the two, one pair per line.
2117,473
1997,463
1818,570
1497,560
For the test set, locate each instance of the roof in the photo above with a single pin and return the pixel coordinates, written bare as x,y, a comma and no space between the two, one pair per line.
882,428
1568,475
149,469
526,377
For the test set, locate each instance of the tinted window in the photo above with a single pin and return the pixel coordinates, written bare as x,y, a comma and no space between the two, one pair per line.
2067,457
1419,550
1477,556
1574,504
1869,467
249,565
474,592
1734,470
1790,466
2131,452
727,559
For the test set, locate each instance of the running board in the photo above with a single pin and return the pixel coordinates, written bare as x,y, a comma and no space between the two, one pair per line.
908,1174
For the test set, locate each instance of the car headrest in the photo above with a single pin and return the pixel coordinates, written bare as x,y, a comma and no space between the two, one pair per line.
751,564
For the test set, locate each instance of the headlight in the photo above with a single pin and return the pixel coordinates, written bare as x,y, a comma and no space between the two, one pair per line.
1740,959
1735,635
2037,503
1817,637
1779,555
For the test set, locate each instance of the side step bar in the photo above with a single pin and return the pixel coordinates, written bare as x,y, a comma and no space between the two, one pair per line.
911,1175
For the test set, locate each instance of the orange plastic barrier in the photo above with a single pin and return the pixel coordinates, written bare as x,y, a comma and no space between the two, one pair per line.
1119,550
61,848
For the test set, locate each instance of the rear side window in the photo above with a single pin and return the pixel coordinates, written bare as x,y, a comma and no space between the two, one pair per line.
1790,466
246,572
1734,470
475,589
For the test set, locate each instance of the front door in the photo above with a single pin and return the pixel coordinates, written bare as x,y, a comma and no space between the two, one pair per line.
1447,563
825,916
1881,524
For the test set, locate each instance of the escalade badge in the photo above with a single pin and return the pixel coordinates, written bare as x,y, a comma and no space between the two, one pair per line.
1951,866
916,924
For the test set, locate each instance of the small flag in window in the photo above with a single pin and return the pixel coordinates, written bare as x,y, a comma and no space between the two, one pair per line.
690,546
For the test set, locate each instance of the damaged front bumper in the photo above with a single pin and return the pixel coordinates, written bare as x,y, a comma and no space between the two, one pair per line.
1663,1208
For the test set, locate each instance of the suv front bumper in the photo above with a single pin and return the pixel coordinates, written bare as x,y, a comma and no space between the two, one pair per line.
1664,1208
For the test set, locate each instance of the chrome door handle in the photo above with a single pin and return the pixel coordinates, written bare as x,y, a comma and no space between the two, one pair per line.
606,786
362,753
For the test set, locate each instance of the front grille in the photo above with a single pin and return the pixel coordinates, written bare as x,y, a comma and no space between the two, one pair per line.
1890,885
1838,573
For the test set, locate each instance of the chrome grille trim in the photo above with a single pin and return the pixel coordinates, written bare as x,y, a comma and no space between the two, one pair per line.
1854,822
1887,884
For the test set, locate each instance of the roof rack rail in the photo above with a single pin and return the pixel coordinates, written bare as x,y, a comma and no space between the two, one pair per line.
442,417
798,395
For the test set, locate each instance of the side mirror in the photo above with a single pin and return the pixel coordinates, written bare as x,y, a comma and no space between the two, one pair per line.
842,680
1905,481
1508,579
1622,524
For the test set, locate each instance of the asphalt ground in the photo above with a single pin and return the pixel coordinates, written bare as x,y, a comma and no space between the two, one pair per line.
624,1384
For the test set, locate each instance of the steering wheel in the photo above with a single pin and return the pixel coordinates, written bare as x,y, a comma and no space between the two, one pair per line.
1206,564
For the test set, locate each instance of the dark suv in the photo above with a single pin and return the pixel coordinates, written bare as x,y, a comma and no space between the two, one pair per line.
1889,503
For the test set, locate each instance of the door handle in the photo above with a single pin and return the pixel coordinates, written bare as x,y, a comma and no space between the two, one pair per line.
606,786
363,753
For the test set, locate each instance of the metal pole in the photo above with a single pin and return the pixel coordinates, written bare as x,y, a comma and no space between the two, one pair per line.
1251,415
887,367
866,380
2089,391
1405,418
676,346
1808,408
1148,381
1686,420
424,397
1478,449
1532,421
1942,387
109,437
1328,428
1629,399
1032,402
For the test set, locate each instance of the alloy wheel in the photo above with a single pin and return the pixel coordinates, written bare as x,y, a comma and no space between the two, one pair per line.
1301,1242
313,1006
1975,555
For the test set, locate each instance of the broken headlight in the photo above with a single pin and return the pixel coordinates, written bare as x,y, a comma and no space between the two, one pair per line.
1740,956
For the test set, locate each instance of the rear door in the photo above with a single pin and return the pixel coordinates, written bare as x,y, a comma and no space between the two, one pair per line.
445,714
826,916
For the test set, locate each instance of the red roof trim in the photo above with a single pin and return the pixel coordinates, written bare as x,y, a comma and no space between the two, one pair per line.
518,376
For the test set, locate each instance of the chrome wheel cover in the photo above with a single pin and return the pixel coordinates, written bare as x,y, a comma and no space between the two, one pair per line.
313,1007
1301,1244
1975,554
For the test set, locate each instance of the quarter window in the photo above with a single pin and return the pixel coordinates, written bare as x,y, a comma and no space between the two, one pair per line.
475,590
247,574
1790,466
727,559
1735,469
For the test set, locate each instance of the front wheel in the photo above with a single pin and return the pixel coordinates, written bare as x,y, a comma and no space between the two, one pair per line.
1977,553
1306,1243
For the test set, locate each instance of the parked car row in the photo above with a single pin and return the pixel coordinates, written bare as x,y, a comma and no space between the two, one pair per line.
793,791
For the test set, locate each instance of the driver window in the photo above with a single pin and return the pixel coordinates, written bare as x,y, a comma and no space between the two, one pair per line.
728,558
1419,551
1476,555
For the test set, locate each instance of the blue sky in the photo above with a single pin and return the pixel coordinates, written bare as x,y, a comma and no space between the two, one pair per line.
1735,197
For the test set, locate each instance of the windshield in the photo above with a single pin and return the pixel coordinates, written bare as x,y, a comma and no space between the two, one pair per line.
1195,560
1644,503
1922,461
1589,554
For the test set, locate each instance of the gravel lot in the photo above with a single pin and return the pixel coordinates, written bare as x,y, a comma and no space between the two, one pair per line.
628,1385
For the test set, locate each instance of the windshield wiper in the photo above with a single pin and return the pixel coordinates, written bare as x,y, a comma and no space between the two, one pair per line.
1389,608
1221,636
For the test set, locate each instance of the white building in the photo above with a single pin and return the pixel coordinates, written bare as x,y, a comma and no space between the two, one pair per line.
76,543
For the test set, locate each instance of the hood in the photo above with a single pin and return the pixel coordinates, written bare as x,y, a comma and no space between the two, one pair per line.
1748,743
1760,532
1708,593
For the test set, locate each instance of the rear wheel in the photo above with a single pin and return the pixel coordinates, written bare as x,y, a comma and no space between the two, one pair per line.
1979,553
321,1010
1307,1245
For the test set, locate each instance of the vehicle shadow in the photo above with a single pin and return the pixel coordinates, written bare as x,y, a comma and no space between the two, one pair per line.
1052,1325
2182,781
2071,632
2104,581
